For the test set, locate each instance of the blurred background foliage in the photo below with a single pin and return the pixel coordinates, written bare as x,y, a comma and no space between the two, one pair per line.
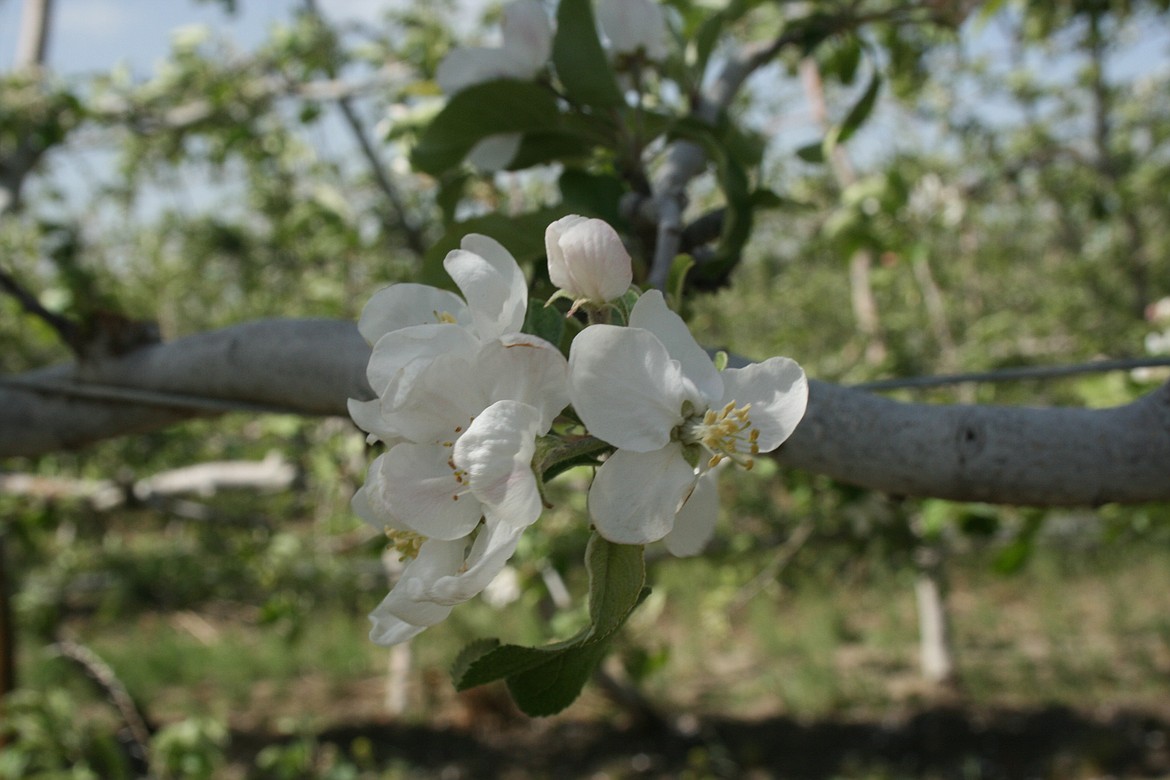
985,189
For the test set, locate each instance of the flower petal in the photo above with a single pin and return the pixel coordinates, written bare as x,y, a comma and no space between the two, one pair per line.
596,264
625,387
652,313
695,522
402,305
492,283
496,452
558,270
401,354
528,36
470,65
495,153
418,486
520,367
631,25
778,392
407,610
635,495
494,545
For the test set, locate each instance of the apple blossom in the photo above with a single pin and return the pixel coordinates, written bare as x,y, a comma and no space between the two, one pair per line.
410,325
587,260
459,489
651,391
634,26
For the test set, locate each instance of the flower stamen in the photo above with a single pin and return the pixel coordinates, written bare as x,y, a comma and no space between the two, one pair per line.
727,434
406,543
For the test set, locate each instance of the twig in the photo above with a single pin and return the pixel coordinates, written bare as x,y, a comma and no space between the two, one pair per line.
138,730
769,573
64,327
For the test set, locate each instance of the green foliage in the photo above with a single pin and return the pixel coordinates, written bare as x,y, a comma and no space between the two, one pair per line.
44,740
545,680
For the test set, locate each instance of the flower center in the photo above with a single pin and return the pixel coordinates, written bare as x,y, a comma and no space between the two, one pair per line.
406,543
727,434
462,478
445,317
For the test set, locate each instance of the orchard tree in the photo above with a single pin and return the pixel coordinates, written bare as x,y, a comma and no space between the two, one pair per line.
586,182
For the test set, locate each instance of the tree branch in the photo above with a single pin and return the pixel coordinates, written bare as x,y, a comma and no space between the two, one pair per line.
1007,455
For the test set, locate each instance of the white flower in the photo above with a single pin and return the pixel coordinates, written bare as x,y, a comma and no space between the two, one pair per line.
461,489
587,260
634,25
651,391
527,46
410,325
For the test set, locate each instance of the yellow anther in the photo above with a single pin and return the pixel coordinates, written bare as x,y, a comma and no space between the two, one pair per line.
406,543
445,317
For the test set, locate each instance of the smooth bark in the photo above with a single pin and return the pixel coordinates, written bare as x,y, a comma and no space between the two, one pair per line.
1007,455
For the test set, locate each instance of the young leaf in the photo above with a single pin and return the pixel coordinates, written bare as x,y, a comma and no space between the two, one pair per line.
545,680
547,322
491,108
857,114
580,61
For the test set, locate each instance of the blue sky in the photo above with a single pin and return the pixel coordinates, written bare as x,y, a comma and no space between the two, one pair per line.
93,35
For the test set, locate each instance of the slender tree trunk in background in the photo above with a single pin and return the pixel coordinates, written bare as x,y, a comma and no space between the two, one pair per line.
936,653
861,297
33,42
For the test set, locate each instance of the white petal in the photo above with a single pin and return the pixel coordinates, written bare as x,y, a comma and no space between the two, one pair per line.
492,283
467,66
520,367
635,495
419,488
528,36
367,415
401,354
625,387
402,305
496,452
652,313
494,545
407,610
596,263
631,25
440,401
778,392
496,152
558,271
695,522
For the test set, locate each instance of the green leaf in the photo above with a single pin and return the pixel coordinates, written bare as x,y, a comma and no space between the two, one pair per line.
857,114
580,60
592,194
470,654
552,146
491,108
812,153
547,322
522,235
733,181
545,680
676,279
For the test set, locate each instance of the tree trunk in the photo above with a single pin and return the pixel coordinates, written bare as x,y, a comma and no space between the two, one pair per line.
32,45
861,297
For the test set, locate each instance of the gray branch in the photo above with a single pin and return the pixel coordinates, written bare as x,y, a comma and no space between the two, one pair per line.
1007,455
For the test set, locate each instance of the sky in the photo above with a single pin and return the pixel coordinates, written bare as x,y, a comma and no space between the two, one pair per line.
92,35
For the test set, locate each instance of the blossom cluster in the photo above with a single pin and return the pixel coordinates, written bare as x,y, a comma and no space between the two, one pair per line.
463,395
